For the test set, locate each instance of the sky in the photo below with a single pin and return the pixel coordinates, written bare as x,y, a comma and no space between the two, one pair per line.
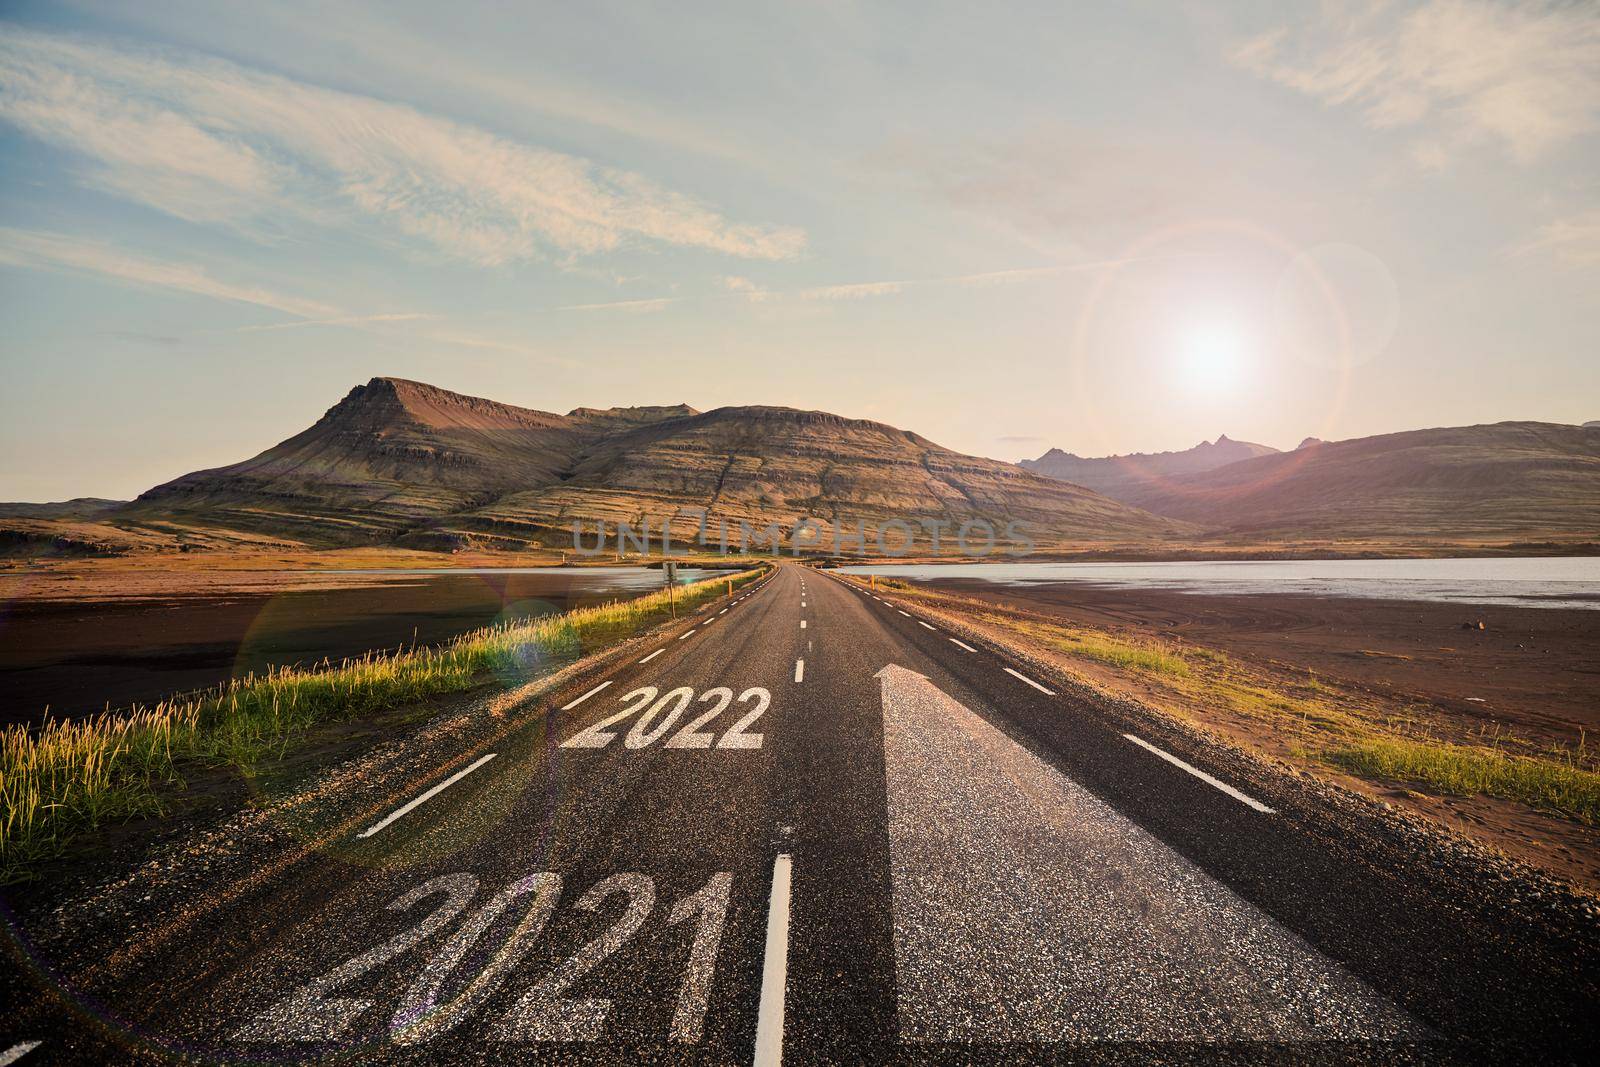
1103,228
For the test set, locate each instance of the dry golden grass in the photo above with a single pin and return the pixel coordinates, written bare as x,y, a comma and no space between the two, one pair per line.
70,775
1316,721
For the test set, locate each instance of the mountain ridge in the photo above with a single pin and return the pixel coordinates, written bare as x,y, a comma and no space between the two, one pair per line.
1118,475
410,463
1491,480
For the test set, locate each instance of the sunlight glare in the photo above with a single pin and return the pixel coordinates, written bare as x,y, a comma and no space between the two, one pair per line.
1211,358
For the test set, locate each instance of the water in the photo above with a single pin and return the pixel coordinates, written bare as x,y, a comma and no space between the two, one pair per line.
1542,581
77,656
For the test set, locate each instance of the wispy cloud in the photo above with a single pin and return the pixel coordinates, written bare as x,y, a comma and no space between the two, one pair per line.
1524,74
861,290
41,250
339,320
854,290
746,288
642,306
493,344
1574,240
210,141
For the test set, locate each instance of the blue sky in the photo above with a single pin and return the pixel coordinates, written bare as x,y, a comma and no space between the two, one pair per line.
1111,229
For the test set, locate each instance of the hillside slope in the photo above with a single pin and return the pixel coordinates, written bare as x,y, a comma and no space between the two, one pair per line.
773,464
1509,479
400,461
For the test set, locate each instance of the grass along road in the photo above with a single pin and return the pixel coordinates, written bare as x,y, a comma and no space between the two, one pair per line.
71,776
1330,729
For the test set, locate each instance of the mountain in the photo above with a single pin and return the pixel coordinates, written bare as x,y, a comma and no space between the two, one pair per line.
82,507
397,461
1123,477
1505,480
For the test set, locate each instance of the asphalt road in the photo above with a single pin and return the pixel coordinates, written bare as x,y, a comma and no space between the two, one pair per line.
809,825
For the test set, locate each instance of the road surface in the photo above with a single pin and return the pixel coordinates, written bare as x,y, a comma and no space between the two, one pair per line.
808,825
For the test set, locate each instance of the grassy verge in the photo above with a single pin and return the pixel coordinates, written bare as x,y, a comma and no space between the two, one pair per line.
1307,718
1547,783
66,776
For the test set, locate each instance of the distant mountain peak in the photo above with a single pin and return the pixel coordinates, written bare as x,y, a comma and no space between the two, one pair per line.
665,412
1114,474
401,402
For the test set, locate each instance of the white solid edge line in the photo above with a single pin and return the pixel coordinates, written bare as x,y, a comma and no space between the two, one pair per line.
429,795
689,634
586,696
1247,801
652,655
924,625
1030,681
17,1051
799,670
774,969
962,644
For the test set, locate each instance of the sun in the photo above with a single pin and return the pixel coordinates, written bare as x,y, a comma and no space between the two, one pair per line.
1211,357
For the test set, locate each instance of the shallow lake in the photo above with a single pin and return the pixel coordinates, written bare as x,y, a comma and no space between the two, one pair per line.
75,657
1543,581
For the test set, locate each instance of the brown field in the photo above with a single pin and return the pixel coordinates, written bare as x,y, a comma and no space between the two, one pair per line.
1393,698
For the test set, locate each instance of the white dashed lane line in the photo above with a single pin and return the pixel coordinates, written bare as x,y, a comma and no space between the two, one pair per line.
429,795
574,703
686,636
802,624
962,645
774,969
1030,681
907,614
799,670
652,655
924,625
1247,801
16,1052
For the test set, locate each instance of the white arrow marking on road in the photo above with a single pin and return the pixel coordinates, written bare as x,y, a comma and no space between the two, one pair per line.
429,795
1203,776
1027,909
